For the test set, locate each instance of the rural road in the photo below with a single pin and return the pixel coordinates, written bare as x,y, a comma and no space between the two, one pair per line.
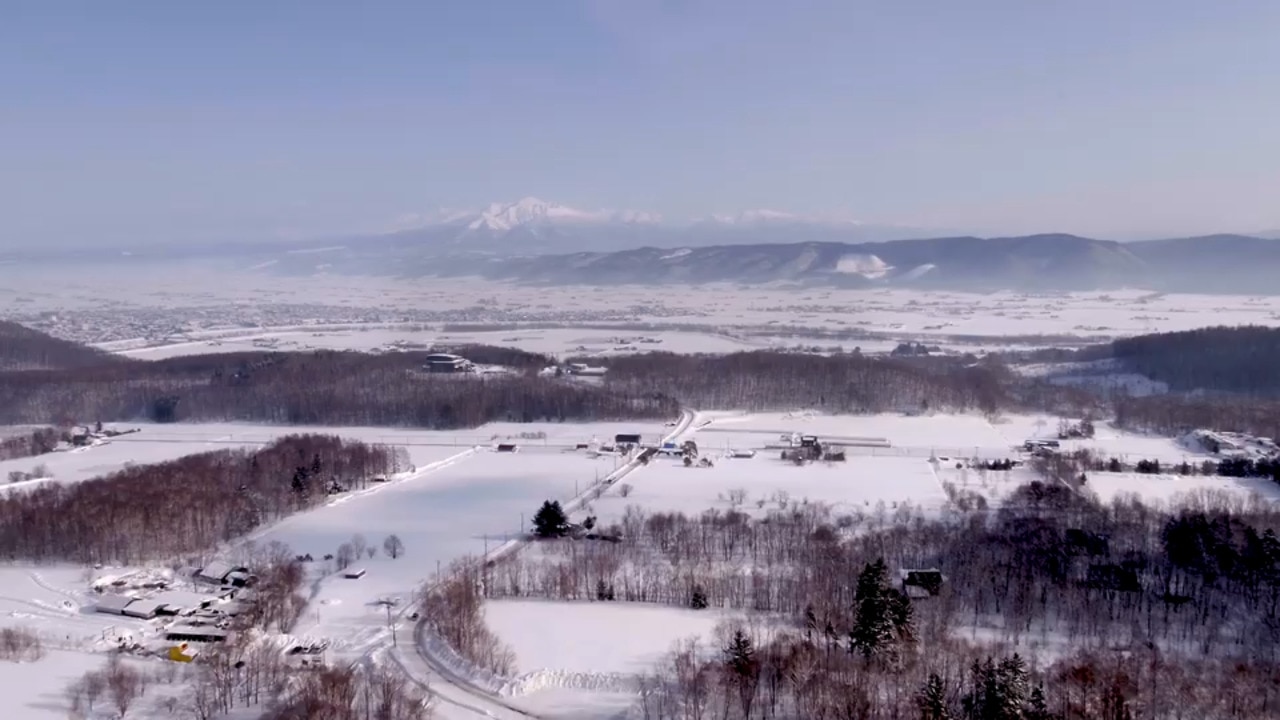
459,691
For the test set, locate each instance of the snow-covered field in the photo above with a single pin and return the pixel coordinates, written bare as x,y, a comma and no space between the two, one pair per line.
555,341
161,442
472,501
465,498
596,638
897,311
768,483
1165,490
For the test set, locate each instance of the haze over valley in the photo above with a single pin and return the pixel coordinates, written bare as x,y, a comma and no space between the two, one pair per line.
606,360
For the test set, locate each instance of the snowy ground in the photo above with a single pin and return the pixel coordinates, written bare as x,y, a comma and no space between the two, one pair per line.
901,312
1166,490
768,483
473,501
596,638
161,442
555,341
581,660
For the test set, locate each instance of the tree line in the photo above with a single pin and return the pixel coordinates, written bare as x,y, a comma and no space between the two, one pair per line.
319,388
1226,359
29,443
1174,414
1192,592
159,511
849,383
22,348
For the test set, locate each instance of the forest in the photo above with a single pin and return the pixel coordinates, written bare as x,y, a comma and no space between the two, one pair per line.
850,383
28,443
22,348
1240,360
182,507
1053,606
351,388
318,388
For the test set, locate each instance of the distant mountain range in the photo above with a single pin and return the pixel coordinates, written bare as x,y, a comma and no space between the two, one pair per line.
539,242
533,226
1213,264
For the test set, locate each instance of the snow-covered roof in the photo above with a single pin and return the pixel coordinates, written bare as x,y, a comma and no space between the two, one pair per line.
216,570
181,599
112,602
144,607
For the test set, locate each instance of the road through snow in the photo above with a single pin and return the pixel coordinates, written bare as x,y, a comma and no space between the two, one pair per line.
464,697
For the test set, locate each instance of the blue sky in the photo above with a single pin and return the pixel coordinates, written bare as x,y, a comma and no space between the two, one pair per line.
160,121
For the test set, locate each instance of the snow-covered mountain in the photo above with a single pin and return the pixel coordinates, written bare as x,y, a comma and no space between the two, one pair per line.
531,225
502,217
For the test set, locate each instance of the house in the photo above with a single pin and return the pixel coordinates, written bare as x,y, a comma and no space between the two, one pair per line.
113,604
195,633
585,370
923,583
447,363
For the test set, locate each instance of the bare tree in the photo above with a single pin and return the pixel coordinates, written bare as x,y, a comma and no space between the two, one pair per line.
393,546
124,684
345,555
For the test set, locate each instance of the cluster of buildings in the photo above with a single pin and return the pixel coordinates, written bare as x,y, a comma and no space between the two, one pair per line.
199,616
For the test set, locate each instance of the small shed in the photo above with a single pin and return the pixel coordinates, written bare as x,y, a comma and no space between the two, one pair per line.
922,583
626,439
113,603
354,574
508,448
182,652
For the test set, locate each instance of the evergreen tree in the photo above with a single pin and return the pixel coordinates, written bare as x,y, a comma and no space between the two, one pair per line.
881,615
1037,706
1014,682
550,521
742,669
932,699
997,691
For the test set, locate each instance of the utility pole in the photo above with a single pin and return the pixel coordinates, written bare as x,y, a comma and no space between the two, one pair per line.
390,624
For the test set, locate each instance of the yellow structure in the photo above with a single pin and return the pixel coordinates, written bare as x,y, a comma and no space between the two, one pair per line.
182,653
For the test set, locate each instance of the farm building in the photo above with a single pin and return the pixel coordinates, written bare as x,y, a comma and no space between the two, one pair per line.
113,604
178,602
447,363
221,573
508,448
627,439
354,574
195,633
144,609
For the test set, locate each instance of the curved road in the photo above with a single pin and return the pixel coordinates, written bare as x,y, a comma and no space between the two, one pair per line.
459,691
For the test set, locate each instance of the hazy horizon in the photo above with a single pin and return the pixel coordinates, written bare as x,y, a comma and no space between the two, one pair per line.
175,123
